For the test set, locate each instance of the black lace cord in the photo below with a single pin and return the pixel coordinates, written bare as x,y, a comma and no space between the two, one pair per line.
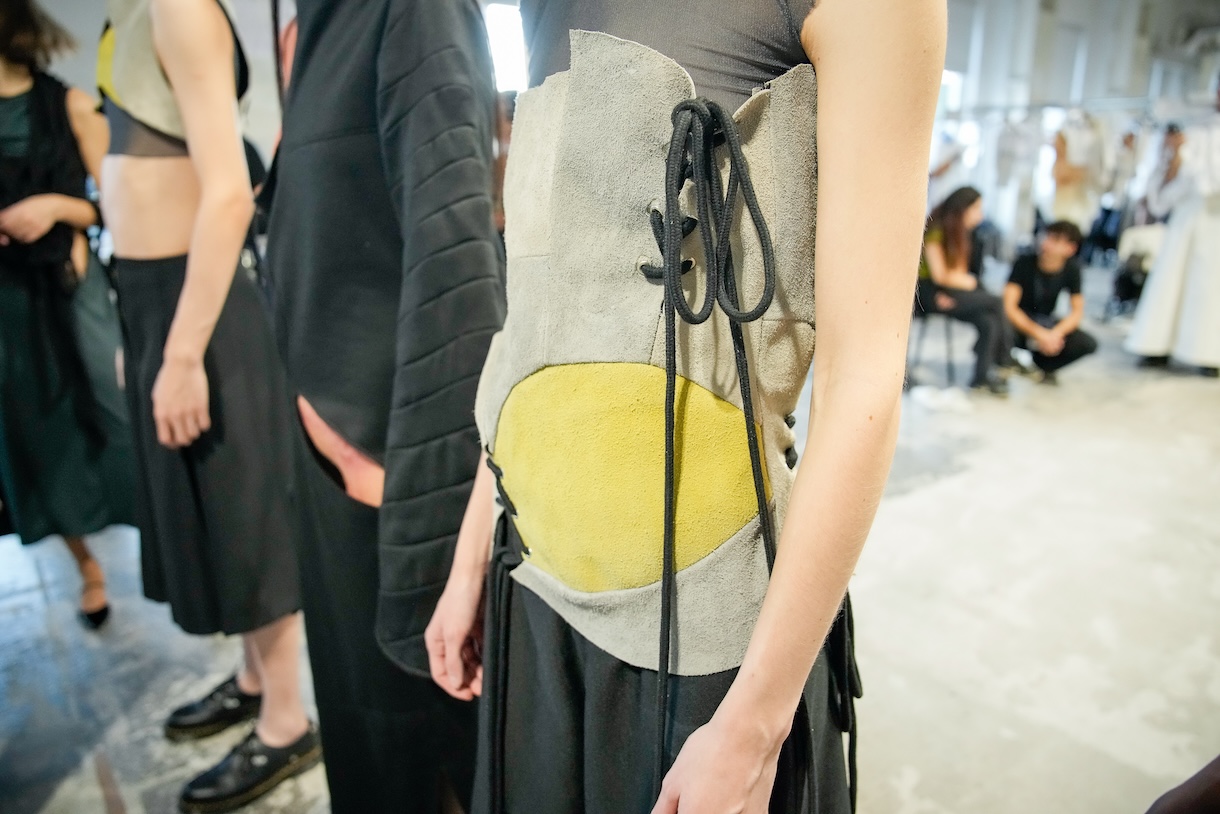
698,124
499,588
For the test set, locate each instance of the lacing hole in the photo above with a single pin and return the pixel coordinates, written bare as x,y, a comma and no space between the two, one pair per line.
642,261
790,457
790,420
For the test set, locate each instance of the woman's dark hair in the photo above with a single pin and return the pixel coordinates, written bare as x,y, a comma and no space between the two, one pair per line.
949,217
28,35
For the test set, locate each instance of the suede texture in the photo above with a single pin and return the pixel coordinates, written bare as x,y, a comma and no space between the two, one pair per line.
590,499
718,602
587,166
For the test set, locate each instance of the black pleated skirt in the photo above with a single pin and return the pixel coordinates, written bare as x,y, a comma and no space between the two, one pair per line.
218,520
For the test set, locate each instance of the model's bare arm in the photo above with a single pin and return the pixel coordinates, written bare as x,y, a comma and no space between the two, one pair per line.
91,130
879,66
195,46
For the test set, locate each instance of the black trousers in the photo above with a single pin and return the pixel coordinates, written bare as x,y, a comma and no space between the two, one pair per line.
985,311
577,729
1076,345
390,739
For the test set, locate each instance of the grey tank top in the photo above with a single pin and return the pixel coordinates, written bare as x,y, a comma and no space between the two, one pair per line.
729,47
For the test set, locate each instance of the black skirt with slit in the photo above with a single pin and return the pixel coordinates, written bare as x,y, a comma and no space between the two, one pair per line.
219,520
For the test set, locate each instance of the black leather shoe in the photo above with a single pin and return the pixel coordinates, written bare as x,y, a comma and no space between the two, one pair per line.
248,772
220,709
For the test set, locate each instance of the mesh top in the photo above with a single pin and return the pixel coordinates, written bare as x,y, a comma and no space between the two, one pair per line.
729,48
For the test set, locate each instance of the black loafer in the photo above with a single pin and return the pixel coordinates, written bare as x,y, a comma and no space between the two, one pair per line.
248,772
220,709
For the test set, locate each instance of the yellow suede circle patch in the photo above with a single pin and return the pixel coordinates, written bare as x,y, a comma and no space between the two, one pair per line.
582,448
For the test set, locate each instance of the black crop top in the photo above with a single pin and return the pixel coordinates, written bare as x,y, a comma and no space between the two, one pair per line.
729,47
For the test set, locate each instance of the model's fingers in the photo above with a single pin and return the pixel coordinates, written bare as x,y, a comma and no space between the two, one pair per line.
453,661
165,436
203,419
182,431
668,801
435,642
476,683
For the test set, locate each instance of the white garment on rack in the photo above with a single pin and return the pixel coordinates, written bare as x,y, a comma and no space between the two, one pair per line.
1179,311
1078,202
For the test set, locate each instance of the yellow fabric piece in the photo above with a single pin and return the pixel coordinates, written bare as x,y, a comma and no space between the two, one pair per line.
582,448
105,66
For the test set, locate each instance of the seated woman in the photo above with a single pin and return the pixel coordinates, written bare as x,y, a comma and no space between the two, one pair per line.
946,285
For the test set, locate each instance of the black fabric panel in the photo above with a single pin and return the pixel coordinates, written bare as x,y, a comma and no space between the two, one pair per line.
386,268
435,101
387,736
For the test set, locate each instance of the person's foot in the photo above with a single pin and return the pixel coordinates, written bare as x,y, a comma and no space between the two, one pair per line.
1154,361
1210,372
220,709
1048,377
993,384
94,606
1018,364
248,772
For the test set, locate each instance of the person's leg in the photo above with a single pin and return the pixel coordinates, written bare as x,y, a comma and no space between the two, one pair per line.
93,579
978,309
389,737
1076,345
248,679
276,650
1006,337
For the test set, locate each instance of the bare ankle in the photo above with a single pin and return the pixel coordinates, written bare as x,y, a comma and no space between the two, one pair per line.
280,733
248,683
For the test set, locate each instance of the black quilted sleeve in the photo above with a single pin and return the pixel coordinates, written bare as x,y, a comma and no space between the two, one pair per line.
435,106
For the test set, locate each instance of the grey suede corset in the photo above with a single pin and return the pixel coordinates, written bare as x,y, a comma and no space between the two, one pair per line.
571,403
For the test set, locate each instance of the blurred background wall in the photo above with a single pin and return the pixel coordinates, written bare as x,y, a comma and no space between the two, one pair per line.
1014,71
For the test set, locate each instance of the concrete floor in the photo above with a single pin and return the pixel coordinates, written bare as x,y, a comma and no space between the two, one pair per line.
1036,612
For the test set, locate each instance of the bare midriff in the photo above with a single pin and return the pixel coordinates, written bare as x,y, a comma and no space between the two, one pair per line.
149,205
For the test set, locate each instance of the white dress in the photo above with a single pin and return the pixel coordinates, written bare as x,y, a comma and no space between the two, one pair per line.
1179,311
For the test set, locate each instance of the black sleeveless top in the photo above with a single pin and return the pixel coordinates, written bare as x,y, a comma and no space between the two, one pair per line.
51,163
729,47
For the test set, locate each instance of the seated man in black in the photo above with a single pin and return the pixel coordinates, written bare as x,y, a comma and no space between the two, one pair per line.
1032,293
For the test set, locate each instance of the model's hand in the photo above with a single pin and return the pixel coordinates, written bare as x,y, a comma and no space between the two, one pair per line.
29,219
725,767
363,478
180,402
454,637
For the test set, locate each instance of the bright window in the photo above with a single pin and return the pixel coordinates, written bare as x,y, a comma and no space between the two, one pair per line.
507,46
